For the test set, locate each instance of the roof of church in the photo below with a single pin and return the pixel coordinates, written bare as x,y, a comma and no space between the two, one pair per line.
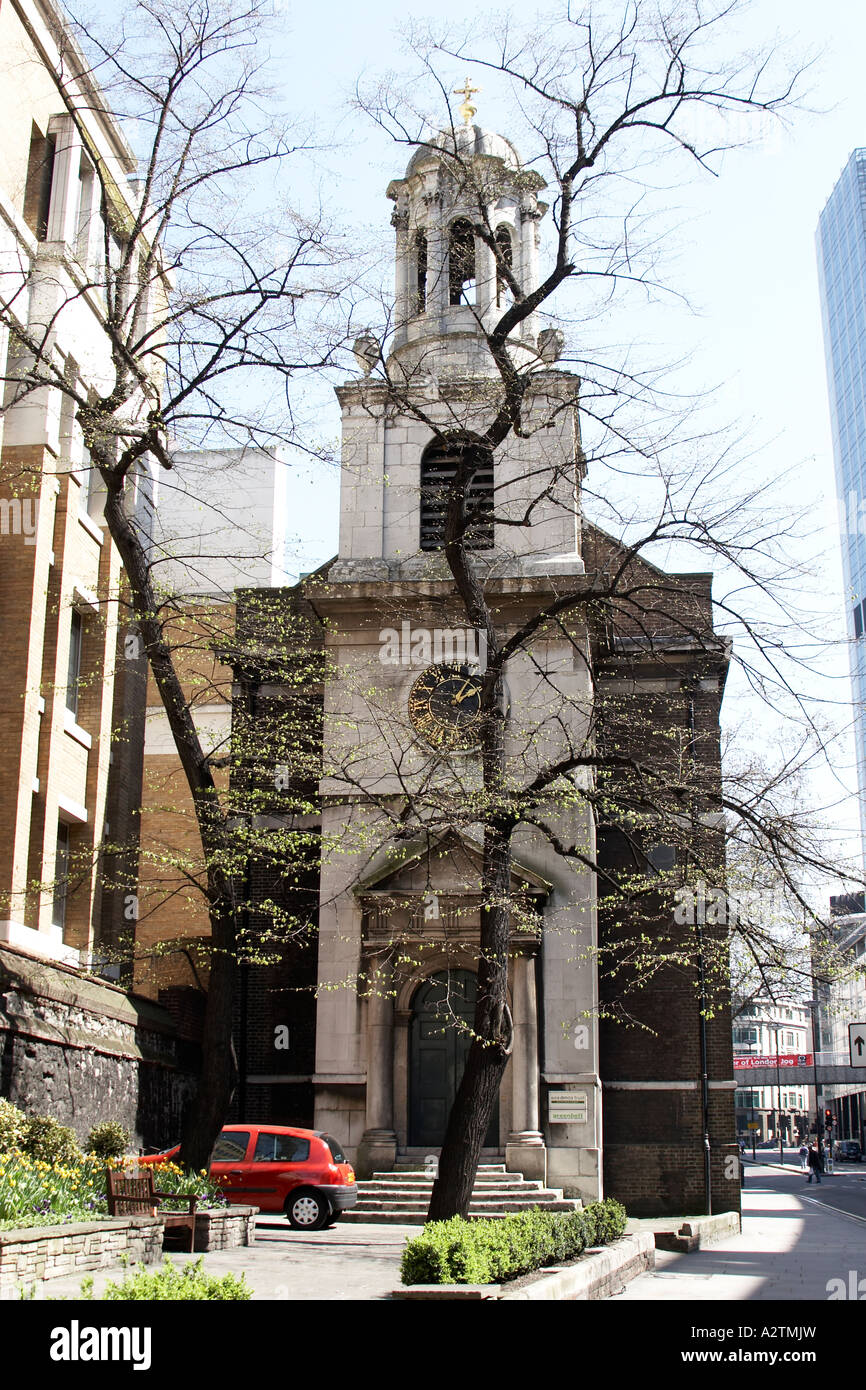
464,141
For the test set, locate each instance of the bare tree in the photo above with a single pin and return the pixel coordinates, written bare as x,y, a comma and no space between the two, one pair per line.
605,102
211,300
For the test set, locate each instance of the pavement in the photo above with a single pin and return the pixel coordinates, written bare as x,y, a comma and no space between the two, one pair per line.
797,1239
343,1263
819,1233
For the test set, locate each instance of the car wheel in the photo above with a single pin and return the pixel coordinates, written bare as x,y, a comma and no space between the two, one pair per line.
306,1210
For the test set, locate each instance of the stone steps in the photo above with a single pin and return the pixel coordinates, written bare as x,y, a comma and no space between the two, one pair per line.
403,1195
375,1185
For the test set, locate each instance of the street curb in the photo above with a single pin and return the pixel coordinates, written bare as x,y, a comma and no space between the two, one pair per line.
598,1273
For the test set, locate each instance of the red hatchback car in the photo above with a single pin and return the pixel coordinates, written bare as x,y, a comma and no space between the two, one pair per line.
301,1172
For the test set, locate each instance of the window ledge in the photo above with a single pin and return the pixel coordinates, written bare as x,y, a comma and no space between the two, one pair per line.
74,730
91,527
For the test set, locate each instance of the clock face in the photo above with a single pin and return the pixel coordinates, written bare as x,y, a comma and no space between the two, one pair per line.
445,706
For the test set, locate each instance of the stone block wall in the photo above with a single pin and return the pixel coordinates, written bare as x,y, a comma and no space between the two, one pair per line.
84,1051
225,1230
47,1252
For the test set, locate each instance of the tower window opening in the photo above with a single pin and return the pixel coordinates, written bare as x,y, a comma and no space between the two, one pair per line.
461,262
439,464
504,256
420,272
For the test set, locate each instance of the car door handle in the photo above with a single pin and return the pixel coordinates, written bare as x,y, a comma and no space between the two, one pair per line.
236,1172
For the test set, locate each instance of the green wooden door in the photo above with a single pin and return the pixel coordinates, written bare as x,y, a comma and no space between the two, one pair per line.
438,1048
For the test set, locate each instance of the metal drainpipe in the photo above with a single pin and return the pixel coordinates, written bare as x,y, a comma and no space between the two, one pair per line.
702,997
252,705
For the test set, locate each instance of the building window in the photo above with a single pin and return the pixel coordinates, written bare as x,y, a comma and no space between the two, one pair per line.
504,256
461,262
420,272
37,189
662,858
748,1100
73,679
439,464
61,876
745,1035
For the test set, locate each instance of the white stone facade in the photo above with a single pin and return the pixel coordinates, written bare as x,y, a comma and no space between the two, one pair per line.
393,915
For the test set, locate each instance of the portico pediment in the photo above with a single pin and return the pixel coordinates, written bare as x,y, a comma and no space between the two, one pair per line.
445,863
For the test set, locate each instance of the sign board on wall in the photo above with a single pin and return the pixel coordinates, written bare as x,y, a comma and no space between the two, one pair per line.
567,1107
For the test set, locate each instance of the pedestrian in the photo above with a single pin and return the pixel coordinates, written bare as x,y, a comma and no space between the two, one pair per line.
815,1164
804,1157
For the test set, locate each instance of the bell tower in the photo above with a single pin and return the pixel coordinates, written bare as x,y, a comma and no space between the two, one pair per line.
397,915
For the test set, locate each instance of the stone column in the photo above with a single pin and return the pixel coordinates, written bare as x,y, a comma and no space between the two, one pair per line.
65,187
378,1147
525,1151
402,307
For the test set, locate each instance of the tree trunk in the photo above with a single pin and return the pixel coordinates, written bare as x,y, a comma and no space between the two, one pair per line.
206,1112
491,1046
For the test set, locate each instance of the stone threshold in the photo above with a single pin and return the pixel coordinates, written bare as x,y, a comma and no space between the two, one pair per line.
599,1272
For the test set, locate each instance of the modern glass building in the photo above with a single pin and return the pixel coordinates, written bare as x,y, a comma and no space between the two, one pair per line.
842,270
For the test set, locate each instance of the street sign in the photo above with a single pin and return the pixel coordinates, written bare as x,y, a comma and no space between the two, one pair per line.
784,1060
753,1124
857,1044
566,1107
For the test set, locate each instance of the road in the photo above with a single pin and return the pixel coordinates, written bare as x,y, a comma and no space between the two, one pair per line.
844,1189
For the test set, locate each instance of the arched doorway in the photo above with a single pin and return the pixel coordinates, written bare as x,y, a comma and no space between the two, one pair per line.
438,1047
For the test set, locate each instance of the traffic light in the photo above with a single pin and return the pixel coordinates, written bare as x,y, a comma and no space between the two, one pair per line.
828,1119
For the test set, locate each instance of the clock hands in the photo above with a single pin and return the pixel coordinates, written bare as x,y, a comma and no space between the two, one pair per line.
468,688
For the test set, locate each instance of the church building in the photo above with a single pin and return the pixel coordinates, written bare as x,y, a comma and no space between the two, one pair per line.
361,1025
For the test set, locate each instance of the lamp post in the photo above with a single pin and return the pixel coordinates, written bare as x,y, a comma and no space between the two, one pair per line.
775,1028
812,1005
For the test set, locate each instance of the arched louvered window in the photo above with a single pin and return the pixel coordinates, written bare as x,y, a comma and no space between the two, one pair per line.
461,262
504,255
420,272
439,464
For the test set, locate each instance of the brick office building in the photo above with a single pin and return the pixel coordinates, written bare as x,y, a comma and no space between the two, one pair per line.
72,699
644,1113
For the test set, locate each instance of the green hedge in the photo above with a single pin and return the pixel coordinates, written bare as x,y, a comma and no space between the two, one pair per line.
493,1251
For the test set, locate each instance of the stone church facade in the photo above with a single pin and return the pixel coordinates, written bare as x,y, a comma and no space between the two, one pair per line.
379,998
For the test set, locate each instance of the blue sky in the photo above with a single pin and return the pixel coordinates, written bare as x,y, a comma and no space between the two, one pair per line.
744,252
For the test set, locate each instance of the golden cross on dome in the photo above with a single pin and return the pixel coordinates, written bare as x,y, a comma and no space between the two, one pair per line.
467,110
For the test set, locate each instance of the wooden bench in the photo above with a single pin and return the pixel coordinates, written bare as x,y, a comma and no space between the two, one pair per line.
136,1196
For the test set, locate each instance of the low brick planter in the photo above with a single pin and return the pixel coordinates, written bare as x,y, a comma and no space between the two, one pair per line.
225,1228
46,1252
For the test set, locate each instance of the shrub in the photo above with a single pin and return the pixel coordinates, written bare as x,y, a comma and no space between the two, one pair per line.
49,1140
108,1140
493,1251
187,1281
12,1125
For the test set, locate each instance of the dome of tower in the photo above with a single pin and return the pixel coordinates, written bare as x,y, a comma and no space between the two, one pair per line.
465,141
